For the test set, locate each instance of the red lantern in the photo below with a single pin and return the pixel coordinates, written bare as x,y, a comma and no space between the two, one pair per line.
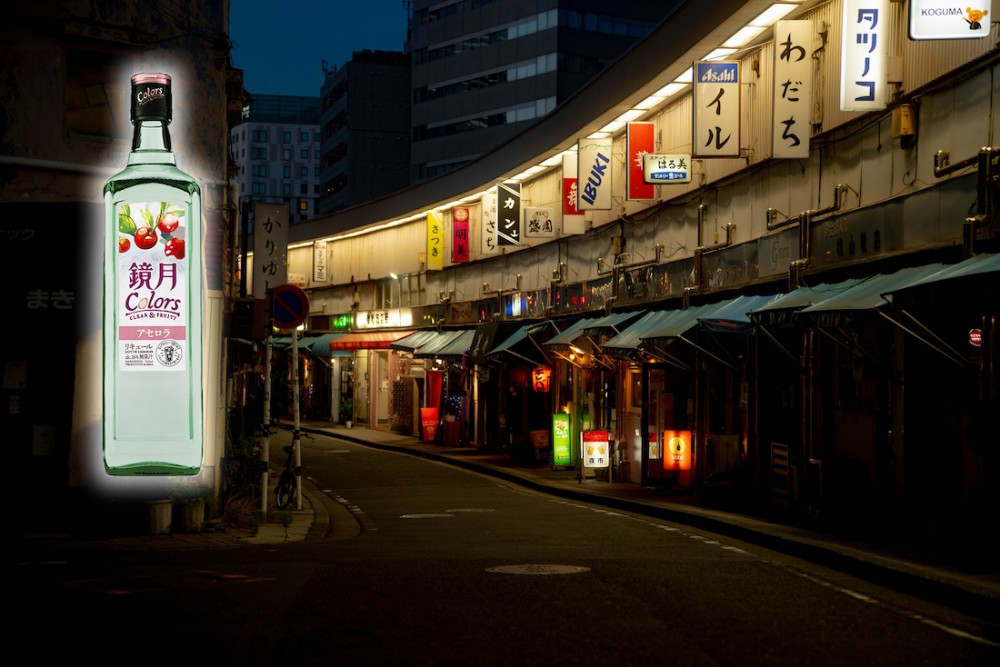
540,377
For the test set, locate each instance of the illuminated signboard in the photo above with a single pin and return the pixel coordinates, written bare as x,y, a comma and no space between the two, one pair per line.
932,19
561,452
677,450
596,449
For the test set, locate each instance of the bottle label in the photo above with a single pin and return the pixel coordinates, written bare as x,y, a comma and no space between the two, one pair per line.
152,287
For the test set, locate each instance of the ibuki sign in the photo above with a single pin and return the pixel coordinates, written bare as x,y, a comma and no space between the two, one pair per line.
593,190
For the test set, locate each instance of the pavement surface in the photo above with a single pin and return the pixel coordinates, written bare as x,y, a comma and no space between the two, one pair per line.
951,565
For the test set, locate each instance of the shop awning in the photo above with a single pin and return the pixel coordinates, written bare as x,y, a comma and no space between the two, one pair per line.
320,346
631,338
486,334
414,341
868,294
281,341
522,334
447,344
975,266
614,323
368,340
679,322
783,309
569,334
735,316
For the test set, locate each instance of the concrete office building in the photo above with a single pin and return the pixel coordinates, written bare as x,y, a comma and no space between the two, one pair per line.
485,70
276,152
365,144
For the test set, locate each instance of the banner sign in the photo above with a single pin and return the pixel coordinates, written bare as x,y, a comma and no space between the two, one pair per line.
666,168
459,234
792,89
932,19
270,247
509,214
863,64
593,168
573,220
641,141
716,104
596,449
435,242
538,223
488,242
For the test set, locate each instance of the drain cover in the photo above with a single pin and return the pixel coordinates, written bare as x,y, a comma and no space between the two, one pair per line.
537,568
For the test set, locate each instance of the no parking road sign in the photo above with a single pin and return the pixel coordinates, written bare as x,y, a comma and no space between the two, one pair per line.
289,307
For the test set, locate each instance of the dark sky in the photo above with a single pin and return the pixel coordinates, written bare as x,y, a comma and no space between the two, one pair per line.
281,44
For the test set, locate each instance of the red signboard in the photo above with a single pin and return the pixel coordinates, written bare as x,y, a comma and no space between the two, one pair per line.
640,139
976,337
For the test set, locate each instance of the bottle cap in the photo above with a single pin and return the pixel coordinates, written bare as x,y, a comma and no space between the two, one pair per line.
151,98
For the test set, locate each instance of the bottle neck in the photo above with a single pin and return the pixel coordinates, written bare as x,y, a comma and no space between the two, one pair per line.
151,143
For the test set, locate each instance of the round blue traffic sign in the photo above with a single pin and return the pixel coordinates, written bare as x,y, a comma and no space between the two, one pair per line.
289,306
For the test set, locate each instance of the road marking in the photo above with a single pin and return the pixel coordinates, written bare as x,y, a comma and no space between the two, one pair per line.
537,569
427,515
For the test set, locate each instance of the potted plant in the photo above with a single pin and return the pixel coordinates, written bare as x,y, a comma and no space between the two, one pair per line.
347,411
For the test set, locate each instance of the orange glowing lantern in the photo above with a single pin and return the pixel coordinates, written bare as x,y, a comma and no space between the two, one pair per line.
540,377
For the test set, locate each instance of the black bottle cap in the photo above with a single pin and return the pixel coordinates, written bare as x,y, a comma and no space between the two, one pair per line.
151,98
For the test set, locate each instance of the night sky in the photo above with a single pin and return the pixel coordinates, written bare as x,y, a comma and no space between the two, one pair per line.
281,44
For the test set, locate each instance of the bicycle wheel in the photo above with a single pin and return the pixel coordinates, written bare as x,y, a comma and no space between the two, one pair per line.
285,489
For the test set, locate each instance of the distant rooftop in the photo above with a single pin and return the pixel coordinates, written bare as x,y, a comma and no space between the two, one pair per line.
284,109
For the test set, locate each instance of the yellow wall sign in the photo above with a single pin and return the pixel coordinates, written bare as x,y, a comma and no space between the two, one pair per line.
435,242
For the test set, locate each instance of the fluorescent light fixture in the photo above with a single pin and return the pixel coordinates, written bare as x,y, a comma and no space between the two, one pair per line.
720,53
630,115
553,161
613,126
776,11
743,36
649,102
597,135
687,76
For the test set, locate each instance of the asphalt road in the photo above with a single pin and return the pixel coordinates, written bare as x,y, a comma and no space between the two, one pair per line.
455,568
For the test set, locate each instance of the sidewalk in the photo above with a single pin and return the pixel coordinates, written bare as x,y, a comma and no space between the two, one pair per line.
931,564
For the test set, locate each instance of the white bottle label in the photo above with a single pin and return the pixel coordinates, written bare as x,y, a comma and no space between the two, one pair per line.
152,287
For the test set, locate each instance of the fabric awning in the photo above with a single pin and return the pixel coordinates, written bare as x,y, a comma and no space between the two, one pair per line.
486,334
368,340
508,344
630,339
868,294
735,316
679,322
570,333
414,341
613,323
320,346
977,265
448,344
783,309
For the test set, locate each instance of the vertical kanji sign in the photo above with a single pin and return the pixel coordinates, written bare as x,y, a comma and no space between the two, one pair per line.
488,241
509,214
864,52
435,242
459,234
270,247
716,105
792,89
574,221
641,141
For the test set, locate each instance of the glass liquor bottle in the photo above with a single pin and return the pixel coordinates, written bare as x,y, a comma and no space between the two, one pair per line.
152,357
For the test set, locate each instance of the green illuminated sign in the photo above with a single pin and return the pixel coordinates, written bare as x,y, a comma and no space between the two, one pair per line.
562,453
